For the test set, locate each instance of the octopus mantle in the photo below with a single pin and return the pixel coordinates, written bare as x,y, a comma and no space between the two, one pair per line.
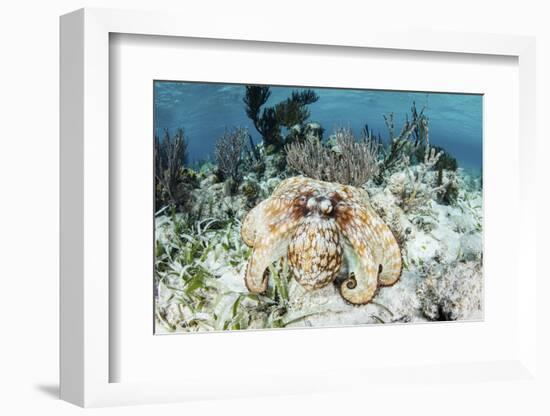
320,226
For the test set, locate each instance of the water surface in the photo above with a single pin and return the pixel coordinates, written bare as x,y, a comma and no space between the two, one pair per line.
205,110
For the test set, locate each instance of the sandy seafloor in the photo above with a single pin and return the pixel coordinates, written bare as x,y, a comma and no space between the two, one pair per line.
442,278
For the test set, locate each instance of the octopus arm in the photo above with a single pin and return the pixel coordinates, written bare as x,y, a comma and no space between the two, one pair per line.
373,255
251,222
268,228
263,218
263,255
390,253
362,281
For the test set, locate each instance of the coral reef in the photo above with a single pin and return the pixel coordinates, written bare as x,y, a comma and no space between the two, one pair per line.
201,264
413,135
313,245
411,186
349,162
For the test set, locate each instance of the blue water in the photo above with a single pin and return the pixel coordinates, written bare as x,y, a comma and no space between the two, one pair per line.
205,110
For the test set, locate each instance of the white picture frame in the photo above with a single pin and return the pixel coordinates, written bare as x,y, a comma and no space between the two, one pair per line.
85,354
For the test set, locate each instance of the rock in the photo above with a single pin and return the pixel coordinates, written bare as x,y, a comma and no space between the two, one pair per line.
271,184
462,222
250,189
235,206
331,141
270,149
397,183
401,300
207,168
295,130
214,189
453,294
275,164
422,248
230,186
251,176
425,223
173,315
209,180
314,130
396,304
384,203
471,246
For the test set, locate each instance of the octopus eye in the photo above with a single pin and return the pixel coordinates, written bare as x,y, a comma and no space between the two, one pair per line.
302,200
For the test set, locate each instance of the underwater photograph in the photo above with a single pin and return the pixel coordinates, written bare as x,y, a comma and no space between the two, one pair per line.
299,206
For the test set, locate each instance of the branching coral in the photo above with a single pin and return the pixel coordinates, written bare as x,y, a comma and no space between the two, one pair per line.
414,134
349,163
357,161
413,187
418,119
269,121
252,160
255,97
309,158
170,156
447,185
417,185
294,110
416,194
445,162
412,184
265,122
228,152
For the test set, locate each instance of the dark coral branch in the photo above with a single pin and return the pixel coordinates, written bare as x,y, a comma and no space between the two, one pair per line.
304,97
255,97
170,157
269,127
228,153
270,120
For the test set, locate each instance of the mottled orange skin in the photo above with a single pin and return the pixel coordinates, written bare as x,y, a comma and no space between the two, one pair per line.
319,225
315,253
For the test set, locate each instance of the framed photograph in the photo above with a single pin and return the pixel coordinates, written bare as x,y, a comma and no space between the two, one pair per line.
313,212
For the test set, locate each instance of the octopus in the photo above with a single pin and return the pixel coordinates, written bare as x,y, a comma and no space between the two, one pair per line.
320,227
